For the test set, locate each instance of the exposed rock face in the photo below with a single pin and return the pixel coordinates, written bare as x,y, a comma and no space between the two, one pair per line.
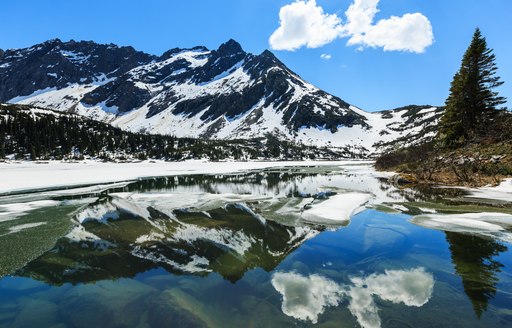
56,64
223,93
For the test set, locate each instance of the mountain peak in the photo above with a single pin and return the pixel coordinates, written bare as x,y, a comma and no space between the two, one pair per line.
268,54
230,47
269,59
226,94
53,41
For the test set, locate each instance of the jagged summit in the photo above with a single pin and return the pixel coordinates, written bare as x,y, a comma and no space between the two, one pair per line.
268,54
195,92
230,47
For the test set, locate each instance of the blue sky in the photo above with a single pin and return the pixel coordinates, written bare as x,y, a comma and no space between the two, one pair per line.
367,77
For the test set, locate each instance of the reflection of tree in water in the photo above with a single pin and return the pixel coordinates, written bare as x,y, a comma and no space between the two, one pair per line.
472,257
275,181
271,179
422,192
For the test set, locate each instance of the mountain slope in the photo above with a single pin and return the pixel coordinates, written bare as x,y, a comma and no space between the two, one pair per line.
224,93
34,133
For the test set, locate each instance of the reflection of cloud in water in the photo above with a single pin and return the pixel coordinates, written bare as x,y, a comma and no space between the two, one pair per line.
305,298
413,287
363,307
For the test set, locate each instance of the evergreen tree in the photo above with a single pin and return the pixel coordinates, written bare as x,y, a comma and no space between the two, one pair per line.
472,100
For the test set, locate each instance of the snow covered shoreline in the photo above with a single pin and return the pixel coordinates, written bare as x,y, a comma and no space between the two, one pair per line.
28,176
19,177
501,192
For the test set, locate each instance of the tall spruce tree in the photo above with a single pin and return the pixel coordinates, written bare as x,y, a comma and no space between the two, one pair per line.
472,101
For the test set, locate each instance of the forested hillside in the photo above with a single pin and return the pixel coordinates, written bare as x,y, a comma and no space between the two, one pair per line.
40,134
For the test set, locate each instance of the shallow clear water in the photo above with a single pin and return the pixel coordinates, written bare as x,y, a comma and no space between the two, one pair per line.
237,251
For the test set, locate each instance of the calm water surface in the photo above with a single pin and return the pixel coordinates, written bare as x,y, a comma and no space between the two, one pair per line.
238,251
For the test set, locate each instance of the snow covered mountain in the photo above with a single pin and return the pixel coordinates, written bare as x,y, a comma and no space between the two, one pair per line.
223,93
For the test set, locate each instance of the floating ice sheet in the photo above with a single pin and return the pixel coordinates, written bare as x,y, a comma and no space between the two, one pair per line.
496,225
502,192
11,211
338,208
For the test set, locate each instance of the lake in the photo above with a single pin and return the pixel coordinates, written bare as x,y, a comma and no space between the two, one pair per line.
325,246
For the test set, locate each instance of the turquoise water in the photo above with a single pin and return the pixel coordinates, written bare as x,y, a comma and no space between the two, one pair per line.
233,251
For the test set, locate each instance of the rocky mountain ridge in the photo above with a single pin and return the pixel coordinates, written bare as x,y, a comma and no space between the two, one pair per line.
225,93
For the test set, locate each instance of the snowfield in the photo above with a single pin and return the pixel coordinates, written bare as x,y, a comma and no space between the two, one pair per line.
25,176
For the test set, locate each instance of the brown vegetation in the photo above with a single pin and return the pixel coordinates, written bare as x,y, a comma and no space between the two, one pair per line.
473,145
486,159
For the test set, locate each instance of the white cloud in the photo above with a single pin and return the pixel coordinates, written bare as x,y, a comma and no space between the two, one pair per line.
411,32
325,56
360,16
304,23
306,297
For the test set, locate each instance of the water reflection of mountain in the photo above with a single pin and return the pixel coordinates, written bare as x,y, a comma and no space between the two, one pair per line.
473,258
424,193
140,226
117,239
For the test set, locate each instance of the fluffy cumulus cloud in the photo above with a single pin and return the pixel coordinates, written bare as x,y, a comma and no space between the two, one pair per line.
360,16
304,23
411,32
307,297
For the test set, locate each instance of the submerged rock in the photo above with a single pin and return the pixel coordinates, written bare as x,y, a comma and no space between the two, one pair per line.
324,194
168,310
